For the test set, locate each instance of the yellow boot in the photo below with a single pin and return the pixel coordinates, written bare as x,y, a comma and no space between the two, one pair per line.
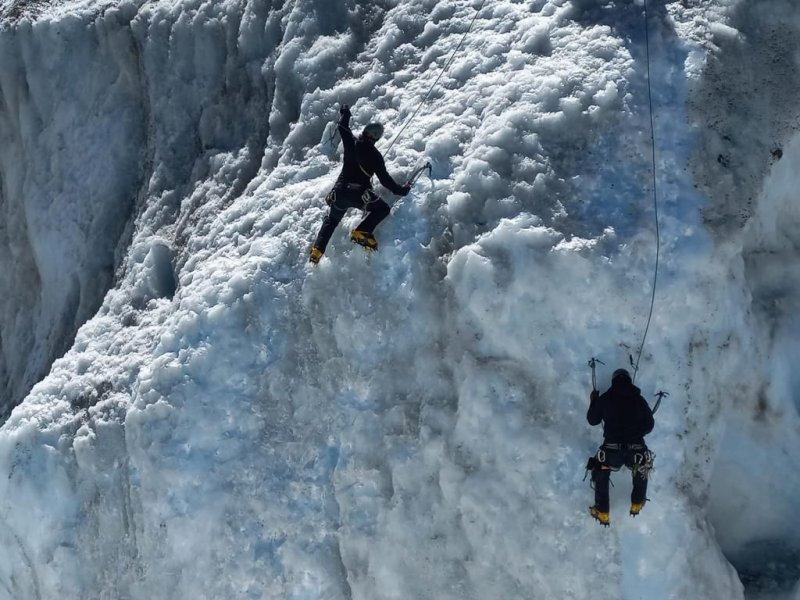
602,517
316,254
364,238
636,508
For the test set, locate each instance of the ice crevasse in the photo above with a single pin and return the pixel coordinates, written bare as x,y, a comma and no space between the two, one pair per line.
193,411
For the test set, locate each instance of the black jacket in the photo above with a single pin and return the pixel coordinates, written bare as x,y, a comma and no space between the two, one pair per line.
361,161
625,414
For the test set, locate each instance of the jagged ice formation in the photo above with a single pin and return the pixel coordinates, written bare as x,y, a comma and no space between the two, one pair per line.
198,413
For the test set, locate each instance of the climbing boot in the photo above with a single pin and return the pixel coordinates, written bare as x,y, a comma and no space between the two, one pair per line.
364,238
636,508
602,517
316,254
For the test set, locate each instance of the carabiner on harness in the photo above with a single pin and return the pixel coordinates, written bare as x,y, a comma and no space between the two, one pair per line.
643,462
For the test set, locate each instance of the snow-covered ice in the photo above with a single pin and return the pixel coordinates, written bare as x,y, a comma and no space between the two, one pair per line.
213,418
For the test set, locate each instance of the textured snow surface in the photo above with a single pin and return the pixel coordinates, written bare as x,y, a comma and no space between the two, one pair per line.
229,422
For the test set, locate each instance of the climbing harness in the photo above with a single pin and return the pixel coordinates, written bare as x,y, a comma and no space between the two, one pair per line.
443,71
367,196
655,194
643,462
642,459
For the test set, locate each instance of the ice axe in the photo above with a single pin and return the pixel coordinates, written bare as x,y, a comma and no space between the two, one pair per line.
593,364
415,177
332,130
661,395
418,173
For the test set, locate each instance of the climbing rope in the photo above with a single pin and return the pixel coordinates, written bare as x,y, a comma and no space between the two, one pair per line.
443,71
655,192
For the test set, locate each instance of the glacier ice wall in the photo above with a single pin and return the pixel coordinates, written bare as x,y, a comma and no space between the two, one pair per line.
229,423
747,101
71,164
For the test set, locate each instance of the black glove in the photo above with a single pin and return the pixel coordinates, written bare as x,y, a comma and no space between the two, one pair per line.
345,111
404,190
594,395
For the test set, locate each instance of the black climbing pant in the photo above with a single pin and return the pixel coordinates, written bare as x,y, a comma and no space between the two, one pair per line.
613,457
342,198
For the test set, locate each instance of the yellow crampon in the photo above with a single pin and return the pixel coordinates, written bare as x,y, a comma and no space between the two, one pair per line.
364,238
602,517
636,508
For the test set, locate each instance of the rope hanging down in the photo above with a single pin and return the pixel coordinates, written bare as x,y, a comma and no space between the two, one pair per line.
443,71
655,194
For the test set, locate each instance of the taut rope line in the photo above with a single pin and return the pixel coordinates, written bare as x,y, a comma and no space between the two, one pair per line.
655,192
443,71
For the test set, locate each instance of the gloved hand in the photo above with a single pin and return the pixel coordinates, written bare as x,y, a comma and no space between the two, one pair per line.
345,111
404,190
594,395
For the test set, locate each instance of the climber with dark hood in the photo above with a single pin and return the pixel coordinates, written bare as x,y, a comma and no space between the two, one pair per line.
353,188
626,419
